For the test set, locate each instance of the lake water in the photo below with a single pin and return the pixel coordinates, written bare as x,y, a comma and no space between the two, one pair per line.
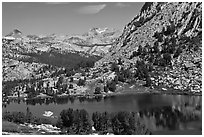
165,113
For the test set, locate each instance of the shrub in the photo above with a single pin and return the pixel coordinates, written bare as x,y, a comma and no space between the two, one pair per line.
101,121
28,116
69,72
7,116
59,123
126,73
82,123
66,117
20,117
81,82
114,67
71,86
16,117
158,36
120,61
177,53
71,79
97,90
142,71
105,89
116,79
76,121
121,77
148,82
126,123
111,86
139,51
10,127
167,59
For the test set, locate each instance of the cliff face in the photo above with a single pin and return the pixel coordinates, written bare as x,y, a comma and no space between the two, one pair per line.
163,35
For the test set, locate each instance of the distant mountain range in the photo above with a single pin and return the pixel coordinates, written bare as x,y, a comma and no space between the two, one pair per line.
15,34
28,54
95,42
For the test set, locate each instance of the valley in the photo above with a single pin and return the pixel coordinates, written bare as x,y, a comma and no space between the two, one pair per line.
150,72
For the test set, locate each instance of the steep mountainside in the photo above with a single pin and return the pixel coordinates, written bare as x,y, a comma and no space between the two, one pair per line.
166,39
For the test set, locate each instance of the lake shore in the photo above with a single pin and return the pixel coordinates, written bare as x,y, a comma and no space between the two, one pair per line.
146,90
122,89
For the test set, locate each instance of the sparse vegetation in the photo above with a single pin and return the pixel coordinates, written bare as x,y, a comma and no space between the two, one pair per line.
97,90
20,118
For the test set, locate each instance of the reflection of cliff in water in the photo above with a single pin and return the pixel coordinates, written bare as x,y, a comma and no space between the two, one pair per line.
171,117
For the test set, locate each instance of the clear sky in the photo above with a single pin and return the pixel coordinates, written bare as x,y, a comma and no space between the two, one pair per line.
65,18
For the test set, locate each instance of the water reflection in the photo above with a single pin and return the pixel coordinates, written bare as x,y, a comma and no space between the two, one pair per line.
158,112
59,100
144,101
169,117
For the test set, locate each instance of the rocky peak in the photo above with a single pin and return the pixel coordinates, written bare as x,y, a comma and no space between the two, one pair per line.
15,33
98,30
156,24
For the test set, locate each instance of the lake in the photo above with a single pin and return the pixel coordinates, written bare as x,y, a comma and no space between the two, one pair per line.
162,114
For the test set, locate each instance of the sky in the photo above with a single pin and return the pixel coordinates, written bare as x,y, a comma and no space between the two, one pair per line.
66,18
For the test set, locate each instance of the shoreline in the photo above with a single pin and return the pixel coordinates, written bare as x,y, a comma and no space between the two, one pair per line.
121,92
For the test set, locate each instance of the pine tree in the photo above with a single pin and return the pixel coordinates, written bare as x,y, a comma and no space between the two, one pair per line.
29,115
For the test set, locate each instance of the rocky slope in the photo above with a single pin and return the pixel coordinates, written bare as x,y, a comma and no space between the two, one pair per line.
97,41
166,37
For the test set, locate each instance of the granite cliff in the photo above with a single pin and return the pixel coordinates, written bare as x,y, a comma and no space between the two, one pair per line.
167,39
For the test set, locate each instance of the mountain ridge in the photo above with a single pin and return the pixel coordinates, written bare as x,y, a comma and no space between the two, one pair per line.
167,35
87,43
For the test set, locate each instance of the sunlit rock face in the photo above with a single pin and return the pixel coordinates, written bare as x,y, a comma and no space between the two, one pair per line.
163,31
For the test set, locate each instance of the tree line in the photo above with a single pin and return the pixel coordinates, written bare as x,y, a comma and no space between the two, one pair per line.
78,122
120,123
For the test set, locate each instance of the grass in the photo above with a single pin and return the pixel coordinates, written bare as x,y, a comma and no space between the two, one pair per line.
14,128
10,127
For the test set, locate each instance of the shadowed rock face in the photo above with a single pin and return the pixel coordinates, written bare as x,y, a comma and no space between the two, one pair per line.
164,35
